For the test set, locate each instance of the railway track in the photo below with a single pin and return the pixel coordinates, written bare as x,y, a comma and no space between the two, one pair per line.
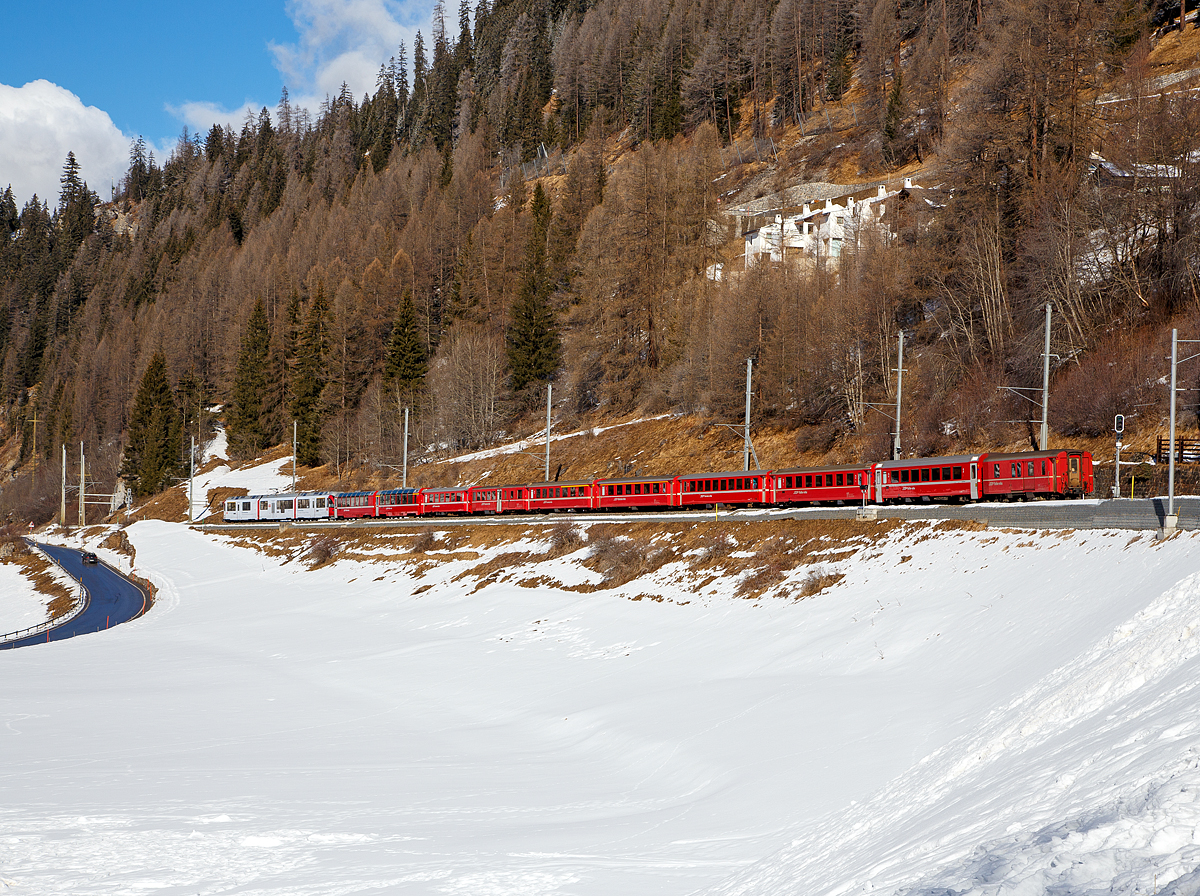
1122,513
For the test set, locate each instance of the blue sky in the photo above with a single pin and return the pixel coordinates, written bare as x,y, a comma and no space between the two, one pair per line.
90,77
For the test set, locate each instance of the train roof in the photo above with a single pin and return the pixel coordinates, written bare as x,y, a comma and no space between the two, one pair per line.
728,475
1031,455
667,477
931,461
399,491
834,469
278,495
573,482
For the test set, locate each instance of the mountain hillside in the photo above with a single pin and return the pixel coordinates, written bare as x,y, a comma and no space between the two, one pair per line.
585,196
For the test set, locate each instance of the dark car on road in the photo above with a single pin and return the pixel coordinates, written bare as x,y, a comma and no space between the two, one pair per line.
89,557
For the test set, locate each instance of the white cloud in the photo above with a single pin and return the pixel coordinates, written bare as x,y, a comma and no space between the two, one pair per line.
345,41
39,124
200,117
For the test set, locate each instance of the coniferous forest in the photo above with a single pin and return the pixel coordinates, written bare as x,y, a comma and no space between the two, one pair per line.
535,192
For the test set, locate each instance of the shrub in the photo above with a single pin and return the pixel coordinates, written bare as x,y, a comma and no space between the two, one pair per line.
565,538
424,542
321,550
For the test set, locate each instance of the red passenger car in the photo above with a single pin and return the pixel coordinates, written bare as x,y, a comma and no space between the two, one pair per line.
546,496
354,505
928,479
634,494
821,485
1038,474
745,487
398,502
440,501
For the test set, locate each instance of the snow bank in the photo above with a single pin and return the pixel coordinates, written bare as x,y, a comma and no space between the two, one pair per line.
21,605
994,712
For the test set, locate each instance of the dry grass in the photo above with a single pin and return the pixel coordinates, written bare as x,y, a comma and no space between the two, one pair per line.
763,558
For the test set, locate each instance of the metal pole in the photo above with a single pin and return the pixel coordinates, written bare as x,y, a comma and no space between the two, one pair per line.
62,506
1171,444
293,455
1044,441
192,483
549,388
1117,472
404,480
746,444
899,383
82,490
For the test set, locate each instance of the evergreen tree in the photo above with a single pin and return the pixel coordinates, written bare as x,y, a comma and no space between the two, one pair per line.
533,344
277,398
152,456
405,367
247,435
312,349
76,210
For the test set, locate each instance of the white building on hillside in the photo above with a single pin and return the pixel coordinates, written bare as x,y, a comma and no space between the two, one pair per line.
820,233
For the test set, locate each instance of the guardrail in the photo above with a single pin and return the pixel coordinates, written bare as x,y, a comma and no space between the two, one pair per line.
77,607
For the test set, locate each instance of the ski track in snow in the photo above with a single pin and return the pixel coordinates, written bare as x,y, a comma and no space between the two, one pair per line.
992,712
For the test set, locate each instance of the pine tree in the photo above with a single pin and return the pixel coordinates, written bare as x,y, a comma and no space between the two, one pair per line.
311,351
533,343
152,457
247,435
405,367
277,398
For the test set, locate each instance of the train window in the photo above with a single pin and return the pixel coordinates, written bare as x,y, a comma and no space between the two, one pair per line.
945,474
840,479
893,475
656,491
829,479
302,504
754,482
904,475
1015,470
995,471
808,481
637,488
246,506
1043,468
1029,469
924,474
708,485
936,475
264,505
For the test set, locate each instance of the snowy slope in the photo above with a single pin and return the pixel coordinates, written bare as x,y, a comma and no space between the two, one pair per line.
991,711
21,606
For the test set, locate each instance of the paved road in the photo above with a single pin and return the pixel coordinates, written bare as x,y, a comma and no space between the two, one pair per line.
112,599
1124,513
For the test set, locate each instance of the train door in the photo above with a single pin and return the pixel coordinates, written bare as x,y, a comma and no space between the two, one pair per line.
1073,480
879,474
974,481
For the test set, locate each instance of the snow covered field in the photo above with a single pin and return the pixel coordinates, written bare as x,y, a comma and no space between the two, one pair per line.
986,712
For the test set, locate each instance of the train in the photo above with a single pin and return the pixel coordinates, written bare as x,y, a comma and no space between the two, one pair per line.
1030,475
